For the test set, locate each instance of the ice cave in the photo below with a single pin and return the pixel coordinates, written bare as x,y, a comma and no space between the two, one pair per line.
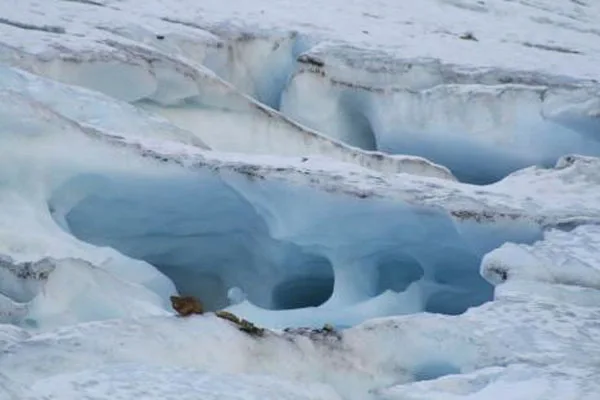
367,201
210,234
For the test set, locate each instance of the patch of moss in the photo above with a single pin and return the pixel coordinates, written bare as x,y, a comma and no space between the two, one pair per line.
242,324
228,316
250,328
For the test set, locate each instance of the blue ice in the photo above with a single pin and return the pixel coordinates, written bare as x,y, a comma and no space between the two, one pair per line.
300,256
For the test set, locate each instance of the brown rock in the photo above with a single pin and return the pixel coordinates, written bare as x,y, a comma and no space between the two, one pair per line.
186,305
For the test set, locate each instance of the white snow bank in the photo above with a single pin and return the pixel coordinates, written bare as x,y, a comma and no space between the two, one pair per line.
563,257
545,36
360,87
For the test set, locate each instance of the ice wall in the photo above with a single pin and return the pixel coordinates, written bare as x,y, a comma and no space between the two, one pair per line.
137,67
482,125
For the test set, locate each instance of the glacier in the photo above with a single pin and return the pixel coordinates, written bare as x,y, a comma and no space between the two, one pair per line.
406,196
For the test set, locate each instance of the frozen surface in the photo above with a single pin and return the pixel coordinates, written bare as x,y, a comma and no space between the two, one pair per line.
167,201
92,312
539,36
231,150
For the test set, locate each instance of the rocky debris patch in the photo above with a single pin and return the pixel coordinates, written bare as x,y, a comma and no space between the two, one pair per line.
186,305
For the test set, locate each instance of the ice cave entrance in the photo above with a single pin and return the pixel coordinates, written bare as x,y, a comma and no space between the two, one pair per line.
287,247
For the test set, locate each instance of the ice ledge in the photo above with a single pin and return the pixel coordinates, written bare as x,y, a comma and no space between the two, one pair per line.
380,70
174,80
532,193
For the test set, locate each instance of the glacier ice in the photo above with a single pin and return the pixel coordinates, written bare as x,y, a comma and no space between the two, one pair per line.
174,210
204,77
210,235
486,345
73,188
247,170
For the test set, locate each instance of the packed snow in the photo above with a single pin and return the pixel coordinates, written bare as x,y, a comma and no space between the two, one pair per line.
405,195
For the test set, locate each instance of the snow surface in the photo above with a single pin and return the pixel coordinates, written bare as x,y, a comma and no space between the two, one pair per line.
149,148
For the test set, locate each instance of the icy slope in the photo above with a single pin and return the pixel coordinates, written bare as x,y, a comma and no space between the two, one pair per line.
161,383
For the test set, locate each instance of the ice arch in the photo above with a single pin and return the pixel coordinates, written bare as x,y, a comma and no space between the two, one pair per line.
299,255
200,234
